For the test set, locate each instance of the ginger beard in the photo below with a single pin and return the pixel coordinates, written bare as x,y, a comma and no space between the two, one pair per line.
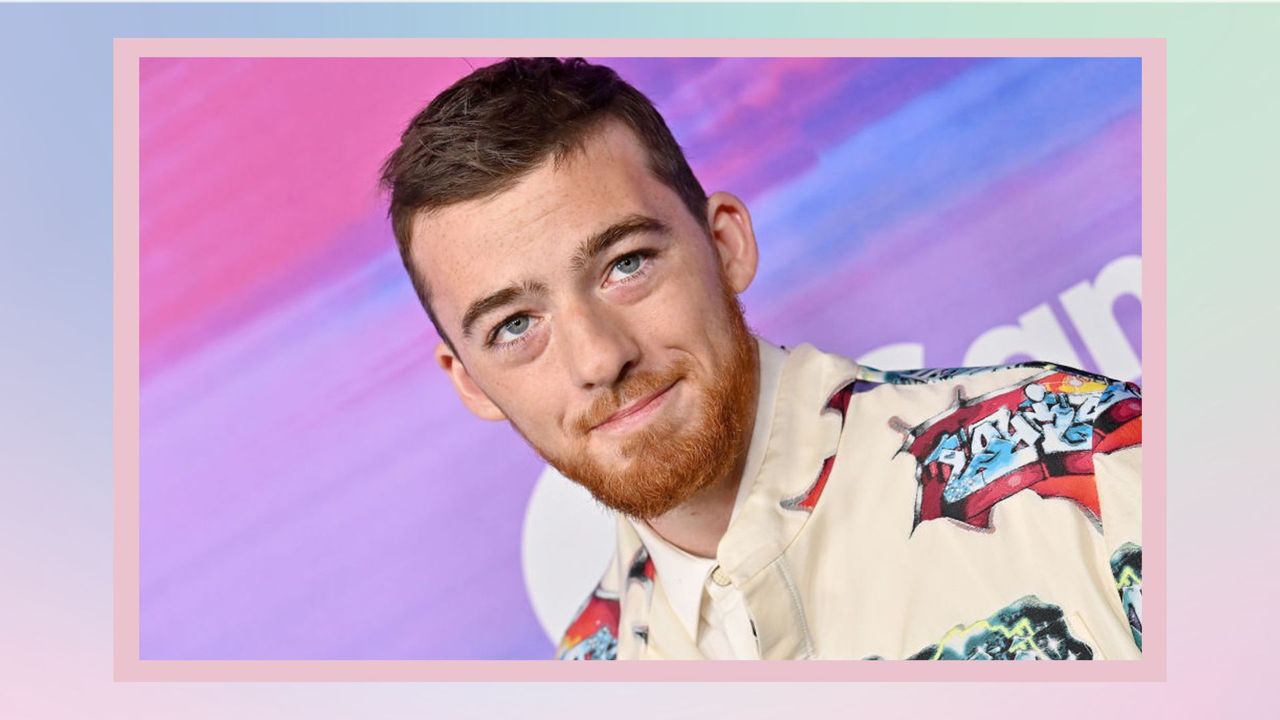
666,463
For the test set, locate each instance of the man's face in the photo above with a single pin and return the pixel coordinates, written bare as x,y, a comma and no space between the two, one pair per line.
591,309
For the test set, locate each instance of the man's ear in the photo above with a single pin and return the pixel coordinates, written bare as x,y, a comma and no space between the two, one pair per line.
734,239
472,396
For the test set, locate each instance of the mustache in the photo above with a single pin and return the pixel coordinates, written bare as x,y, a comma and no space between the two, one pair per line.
636,385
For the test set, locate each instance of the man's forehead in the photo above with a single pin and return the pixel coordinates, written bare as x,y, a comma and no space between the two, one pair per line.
472,246
608,159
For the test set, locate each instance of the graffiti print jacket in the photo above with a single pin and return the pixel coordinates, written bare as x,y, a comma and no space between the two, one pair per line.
969,513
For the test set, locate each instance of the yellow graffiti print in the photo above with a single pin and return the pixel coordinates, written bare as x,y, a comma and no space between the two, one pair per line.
1085,386
1021,629
1128,577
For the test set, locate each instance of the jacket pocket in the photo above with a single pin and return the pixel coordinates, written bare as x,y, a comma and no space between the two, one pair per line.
1077,626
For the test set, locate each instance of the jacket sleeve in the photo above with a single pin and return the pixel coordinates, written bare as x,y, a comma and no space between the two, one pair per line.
1117,461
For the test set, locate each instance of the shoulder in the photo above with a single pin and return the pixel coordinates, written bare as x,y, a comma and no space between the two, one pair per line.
869,378
1036,387
844,379
1038,397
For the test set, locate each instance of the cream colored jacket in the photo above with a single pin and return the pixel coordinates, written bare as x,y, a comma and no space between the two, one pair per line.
971,513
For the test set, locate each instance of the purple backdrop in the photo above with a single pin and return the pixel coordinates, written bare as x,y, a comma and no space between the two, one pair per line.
312,488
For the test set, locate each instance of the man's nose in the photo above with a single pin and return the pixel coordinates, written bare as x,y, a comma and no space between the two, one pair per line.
597,347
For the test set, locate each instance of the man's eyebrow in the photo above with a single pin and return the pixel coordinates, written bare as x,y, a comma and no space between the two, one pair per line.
495,300
615,233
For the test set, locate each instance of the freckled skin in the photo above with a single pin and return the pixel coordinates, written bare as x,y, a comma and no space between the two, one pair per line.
600,337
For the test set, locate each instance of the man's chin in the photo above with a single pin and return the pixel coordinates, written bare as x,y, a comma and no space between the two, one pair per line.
623,485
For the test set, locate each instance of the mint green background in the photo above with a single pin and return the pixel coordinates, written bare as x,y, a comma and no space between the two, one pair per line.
55,374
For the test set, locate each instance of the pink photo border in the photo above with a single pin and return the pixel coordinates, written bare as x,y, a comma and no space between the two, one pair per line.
127,663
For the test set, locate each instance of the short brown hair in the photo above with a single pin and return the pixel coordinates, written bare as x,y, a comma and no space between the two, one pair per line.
479,137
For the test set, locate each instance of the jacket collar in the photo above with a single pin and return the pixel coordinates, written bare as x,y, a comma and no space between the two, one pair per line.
788,449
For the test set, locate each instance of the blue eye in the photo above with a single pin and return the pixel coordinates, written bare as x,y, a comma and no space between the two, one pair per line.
513,328
628,265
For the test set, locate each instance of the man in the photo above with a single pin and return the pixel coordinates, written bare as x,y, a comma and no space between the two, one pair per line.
772,504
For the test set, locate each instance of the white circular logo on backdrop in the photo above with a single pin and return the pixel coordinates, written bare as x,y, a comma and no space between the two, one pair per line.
566,545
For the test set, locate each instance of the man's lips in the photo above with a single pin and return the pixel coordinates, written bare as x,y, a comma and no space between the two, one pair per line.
636,407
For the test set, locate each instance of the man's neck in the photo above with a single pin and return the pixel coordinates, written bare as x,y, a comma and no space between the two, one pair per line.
697,524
